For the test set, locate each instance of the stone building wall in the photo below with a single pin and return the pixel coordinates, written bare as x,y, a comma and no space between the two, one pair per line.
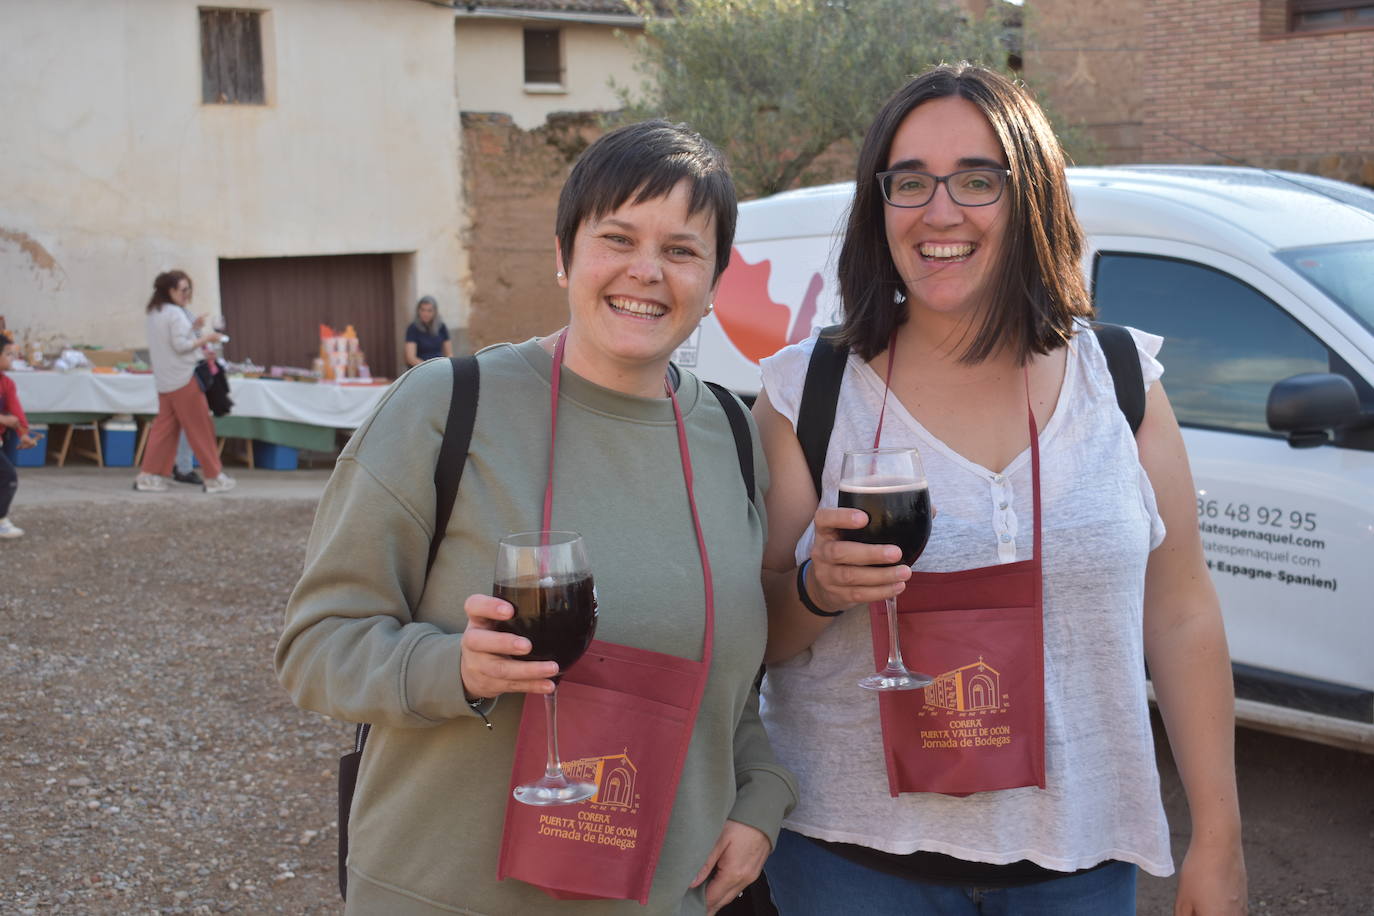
511,180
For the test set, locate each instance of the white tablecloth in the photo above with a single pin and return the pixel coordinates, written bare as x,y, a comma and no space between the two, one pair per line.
337,406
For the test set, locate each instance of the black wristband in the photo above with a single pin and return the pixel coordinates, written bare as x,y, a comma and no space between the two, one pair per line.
806,599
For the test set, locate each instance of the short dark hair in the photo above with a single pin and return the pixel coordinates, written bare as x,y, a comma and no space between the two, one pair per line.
163,286
6,338
646,161
1038,290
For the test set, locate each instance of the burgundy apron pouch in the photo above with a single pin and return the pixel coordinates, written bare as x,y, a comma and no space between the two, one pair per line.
1003,585
981,725
643,673
607,847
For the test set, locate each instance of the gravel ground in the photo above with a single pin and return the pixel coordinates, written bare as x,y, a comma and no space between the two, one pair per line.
150,763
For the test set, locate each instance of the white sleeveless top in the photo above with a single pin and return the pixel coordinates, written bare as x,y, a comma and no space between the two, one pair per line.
1101,799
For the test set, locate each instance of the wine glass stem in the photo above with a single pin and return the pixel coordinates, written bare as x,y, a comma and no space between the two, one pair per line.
553,768
894,646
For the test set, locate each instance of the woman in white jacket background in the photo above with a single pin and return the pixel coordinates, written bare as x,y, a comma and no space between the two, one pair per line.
174,344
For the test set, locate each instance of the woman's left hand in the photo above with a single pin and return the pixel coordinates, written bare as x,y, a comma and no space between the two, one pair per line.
1212,882
28,440
736,861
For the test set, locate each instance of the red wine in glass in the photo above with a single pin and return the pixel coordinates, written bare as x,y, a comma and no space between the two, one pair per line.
546,578
898,513
889,485
557,614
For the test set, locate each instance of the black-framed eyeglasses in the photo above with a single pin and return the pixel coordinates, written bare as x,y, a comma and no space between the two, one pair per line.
967,187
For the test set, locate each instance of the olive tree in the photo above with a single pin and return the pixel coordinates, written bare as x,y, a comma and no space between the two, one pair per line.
776,82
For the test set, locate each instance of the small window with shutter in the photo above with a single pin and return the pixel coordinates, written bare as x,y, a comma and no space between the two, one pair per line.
231,59
543,57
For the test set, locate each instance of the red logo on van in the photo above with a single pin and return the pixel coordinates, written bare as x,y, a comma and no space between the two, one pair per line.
755,324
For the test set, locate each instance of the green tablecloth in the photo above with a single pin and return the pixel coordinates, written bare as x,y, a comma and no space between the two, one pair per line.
279,432
51,418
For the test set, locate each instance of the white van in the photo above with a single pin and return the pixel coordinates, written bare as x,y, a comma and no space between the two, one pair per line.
1262,284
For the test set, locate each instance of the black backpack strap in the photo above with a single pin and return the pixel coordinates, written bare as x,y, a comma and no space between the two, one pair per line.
739,428
1123,362
453,452
820,394
448,471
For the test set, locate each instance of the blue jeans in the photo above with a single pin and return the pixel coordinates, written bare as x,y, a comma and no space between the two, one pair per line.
809,880
185,456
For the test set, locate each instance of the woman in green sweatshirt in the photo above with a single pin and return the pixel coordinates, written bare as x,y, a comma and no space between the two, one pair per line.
644,230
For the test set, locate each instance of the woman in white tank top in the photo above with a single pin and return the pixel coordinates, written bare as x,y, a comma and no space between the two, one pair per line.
962,254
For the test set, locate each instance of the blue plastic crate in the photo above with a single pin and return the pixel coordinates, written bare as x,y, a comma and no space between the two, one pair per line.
117,442
273,457
37,456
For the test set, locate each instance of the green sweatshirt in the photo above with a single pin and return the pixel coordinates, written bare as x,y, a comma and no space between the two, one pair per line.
428,812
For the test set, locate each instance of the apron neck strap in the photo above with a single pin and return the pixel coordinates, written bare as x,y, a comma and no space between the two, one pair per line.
686,455
554,387
887,386
1035,459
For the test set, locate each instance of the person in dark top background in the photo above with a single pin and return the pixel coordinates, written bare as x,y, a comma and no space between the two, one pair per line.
427,336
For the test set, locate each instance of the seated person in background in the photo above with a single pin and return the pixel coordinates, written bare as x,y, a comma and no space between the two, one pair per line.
427,336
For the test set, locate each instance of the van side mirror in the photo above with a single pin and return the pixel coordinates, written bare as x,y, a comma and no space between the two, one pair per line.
1306,406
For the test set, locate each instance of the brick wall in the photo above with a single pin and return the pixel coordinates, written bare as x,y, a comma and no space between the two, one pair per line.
1206,82
511,180
1225,76
1084,62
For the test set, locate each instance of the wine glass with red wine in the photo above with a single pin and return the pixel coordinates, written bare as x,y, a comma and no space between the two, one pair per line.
545,577
890,485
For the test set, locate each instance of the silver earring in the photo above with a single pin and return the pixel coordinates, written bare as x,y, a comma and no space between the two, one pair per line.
710,307
559,275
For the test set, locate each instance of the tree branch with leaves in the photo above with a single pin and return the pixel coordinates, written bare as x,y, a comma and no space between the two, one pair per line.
775,83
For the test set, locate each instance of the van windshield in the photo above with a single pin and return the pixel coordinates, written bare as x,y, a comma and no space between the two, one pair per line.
1342,271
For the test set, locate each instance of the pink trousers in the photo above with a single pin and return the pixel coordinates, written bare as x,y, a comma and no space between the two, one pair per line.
183,409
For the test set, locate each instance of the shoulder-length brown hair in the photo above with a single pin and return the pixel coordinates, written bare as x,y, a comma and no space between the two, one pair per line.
1037,290
163,286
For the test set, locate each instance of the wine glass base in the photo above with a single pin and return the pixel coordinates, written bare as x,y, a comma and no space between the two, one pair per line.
545,793
895,680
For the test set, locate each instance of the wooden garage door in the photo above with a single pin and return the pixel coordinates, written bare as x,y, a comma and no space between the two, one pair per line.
274,307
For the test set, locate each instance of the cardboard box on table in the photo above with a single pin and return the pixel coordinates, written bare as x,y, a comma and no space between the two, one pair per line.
109,358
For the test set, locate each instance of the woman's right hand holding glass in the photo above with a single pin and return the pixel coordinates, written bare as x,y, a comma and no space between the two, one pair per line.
846,573
491,662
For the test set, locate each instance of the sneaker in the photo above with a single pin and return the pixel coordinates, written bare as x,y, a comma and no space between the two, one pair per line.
150,483
190,477
9,529
221,484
